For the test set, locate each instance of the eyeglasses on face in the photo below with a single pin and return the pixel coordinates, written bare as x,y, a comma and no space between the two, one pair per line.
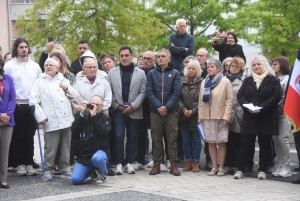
50,65
98,105
274,64
200,55
234,67
91,67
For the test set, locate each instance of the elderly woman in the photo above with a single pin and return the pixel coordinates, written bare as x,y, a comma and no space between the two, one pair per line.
228,48
263,90
226,65
188,103
53,111
7,122
235,75
281,68
215,105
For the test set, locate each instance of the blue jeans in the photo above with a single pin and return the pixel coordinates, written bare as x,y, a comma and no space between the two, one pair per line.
81,172
122,122
191,144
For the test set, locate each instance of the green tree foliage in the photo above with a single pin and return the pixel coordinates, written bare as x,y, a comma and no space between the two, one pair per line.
107,24
199,14
277,23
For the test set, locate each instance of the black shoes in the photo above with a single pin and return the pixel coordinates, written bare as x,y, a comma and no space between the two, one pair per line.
296,180
4,186
297,169
35,165
111,172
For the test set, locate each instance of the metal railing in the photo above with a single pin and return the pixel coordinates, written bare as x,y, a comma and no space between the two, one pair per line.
22,1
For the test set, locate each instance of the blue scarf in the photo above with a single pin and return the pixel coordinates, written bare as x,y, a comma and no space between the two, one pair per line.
209,85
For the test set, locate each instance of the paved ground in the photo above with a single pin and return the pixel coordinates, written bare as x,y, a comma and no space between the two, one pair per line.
142,186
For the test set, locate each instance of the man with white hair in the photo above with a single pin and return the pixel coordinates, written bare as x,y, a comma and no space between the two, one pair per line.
91,85
180,44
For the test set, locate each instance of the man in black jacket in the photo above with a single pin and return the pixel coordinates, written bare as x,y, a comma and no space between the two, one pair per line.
91,141
83,46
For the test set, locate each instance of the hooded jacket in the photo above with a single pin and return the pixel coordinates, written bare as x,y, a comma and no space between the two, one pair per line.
76,66
163,88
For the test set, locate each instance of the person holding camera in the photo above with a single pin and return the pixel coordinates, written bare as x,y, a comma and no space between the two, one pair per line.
91,140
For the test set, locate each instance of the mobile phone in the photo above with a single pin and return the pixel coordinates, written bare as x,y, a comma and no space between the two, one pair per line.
89,106
222,35
50,39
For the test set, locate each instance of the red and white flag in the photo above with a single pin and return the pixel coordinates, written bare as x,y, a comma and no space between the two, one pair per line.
292,100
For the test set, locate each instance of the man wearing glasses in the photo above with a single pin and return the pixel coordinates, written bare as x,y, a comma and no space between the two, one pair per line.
202,57
128,85
180,44
91,85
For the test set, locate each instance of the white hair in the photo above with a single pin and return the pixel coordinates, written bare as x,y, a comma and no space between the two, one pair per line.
180,20
53,61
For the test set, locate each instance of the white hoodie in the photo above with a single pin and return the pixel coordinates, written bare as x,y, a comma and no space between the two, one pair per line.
24,75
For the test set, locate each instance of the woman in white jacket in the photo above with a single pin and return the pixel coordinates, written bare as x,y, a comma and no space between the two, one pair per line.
53,111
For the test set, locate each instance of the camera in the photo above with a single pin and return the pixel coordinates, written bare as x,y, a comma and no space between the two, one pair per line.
89,106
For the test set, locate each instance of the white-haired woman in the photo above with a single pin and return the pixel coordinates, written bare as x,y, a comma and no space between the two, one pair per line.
53,111
226,65
262,89
189,96
215,105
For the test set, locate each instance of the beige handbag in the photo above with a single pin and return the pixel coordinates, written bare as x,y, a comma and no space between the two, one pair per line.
74,103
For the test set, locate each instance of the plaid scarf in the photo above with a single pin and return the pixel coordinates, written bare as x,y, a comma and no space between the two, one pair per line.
232,77
209,85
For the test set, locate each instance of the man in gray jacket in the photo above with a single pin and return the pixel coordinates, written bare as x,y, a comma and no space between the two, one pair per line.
128,85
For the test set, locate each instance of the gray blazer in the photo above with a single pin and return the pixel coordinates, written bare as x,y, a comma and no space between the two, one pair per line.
137,92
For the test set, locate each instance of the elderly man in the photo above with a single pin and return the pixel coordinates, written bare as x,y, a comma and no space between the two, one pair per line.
83,46
128,84
148,65
91,85
202,57
180,44
163,91
91,138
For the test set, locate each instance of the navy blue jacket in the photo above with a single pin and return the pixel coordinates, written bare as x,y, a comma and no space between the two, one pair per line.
178,52
163,88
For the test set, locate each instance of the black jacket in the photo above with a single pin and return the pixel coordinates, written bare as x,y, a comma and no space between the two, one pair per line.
90,134
266,96
226,50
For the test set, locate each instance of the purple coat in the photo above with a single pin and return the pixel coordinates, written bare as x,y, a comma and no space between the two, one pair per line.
8,103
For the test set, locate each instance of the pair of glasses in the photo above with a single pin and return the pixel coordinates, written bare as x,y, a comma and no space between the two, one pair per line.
124,55
147,59
98,105
234,67
91,67
200,55
50,65
274,64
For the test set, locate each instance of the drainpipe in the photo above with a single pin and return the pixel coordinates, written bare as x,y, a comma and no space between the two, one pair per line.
8,24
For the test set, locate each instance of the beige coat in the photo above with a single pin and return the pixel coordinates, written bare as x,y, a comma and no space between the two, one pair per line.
221,101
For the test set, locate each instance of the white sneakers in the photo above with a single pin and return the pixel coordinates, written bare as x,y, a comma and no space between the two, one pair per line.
128,169
163,168
47,176
282,171
150,164
262,175
119,169
168,164
138,166
238,175
23,170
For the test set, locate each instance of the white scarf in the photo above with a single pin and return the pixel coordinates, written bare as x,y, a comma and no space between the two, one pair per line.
259,78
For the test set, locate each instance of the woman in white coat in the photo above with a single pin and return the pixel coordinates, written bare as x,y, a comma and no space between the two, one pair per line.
53,111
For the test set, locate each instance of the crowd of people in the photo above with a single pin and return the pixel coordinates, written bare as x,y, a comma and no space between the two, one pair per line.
87,107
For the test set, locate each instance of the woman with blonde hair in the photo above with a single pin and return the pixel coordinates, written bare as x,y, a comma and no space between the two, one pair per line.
263,90
188,103
215,105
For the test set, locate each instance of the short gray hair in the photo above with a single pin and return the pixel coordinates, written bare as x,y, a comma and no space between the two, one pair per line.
166,51
216,62
89,59
180,20
185,61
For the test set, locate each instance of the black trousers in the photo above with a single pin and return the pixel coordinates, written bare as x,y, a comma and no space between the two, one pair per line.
22,143
232,147
206,151
141,139
297,144
246,151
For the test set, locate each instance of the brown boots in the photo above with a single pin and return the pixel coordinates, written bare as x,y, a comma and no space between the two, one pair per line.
188,166
196,167
156,168
174,170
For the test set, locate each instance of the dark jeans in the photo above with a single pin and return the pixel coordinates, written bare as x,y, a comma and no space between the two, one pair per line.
297,144
179,148
246,151
271,161
122,122
22,143
232,147
142,138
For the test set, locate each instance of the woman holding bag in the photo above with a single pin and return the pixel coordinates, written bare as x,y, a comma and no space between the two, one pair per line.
235,75
215,106
53,111
188,103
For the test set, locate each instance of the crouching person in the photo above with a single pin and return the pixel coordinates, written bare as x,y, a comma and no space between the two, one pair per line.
91,142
